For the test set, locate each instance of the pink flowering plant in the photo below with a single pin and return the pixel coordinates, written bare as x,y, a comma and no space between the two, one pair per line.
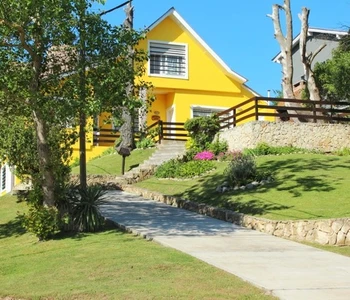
204,155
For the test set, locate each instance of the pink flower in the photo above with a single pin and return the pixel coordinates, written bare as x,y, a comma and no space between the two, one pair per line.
205,155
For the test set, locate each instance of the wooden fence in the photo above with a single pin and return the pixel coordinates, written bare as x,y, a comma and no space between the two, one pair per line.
249,110
285,110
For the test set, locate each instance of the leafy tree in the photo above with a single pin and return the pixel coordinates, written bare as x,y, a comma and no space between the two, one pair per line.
59,64
333,75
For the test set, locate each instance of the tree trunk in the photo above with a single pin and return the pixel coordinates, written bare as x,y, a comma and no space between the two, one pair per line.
306,58
82,115
48,179
127,129
143,111
285,43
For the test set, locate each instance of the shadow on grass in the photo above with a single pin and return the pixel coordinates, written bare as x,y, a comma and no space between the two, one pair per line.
293,176
108,227
12,228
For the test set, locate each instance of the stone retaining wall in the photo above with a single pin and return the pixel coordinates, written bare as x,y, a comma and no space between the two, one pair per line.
312,136
325,232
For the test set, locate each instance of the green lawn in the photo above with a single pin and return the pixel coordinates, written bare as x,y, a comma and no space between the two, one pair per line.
106,265
306,186
112,164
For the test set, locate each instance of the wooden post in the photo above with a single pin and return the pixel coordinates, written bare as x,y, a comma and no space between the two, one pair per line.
123,165
234,118
160,131
256,109
314,112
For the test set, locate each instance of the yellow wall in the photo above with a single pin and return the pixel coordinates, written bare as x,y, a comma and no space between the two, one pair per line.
204,73
207,83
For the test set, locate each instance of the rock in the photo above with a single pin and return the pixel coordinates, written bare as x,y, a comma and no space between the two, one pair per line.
341,236
225,184
337,225
250,186
255,183
242,187
225,189
322,238
218,189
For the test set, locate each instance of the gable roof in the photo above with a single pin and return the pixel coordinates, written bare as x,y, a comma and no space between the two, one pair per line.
337,33
175,16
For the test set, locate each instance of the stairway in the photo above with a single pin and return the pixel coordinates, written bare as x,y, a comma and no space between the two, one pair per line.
167,150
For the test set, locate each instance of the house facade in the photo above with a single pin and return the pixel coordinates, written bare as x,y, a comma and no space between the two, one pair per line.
188,77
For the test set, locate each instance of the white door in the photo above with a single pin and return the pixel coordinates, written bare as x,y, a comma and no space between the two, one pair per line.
170,117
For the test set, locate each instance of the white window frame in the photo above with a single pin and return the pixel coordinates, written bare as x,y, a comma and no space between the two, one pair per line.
184,76
216,108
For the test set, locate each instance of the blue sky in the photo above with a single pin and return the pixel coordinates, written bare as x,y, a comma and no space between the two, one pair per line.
239,31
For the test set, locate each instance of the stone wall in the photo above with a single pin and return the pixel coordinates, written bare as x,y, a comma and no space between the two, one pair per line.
325,232
312,136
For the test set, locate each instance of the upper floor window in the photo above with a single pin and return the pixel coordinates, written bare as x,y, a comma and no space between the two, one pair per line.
168,59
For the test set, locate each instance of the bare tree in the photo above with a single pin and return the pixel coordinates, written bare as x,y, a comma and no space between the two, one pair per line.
307,58
285,43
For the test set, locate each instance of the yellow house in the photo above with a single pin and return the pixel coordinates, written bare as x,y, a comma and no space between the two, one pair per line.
189,78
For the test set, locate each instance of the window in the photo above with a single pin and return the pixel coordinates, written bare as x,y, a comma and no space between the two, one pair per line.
167,59
208,111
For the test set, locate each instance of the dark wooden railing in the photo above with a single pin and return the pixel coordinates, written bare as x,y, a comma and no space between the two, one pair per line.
249,110
164,131
284,110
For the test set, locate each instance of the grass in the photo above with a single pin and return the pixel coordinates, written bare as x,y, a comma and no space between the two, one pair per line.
344,250
306,186
106,265
112,164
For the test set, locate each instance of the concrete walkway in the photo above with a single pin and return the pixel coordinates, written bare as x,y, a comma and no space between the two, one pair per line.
288,269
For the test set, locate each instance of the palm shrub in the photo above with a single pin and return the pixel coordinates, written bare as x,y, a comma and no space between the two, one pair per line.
86,214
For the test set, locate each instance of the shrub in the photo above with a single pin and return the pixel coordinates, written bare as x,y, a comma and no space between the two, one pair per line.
229,155
265,149
145,143
343,152
202,130
85,203
205,155
218,146
241,170
41,221
177,169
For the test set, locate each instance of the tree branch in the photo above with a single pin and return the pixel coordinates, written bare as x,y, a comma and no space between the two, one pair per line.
277,24
21,34
319,49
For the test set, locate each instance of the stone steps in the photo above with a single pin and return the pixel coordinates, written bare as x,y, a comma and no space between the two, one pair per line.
166,151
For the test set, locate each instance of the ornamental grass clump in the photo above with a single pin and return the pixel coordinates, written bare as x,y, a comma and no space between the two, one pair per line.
241,170
204,155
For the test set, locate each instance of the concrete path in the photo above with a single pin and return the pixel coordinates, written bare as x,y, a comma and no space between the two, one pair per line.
288,269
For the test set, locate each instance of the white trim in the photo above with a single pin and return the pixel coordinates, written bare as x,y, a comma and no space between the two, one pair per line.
165,75
176,16
173,116
338,33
